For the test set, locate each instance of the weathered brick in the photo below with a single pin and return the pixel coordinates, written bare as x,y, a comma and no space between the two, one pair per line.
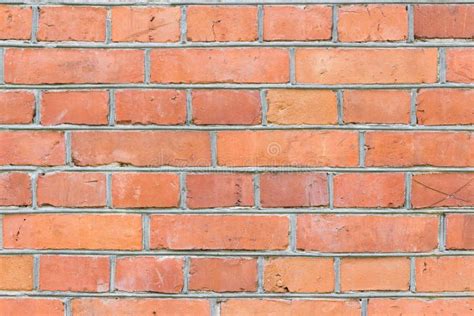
16,107
32,306
451,21
445,107
459,229
410,306
16,273
15,22
15,189
460,65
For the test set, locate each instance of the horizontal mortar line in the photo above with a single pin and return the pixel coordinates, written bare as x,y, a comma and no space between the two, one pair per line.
236,86
232,253
201,295
357,127
235,2
286,44
218,169
240,211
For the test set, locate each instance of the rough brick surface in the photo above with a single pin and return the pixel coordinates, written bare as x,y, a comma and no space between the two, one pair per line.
215,157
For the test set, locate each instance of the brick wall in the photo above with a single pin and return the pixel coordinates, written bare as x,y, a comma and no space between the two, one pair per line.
238,159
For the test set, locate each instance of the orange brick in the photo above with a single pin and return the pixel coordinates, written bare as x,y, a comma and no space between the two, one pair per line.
299,275
452,21
445,107
82,107
71,189
375,274
16,273
150,274
369,190
372,23
241,232
72,231
367,65
141,148
367,233
233,65
459,231
407,306
223,275
226,107
219,190
302,107
444,274
293,189
460,65
145,24
162,107
221,23
15,189
441,190
145,190
69,65
74,273
15,22
235,307
111,306
41,148
71,23
453,149
31,306
376,106
287,148
300,23
16,107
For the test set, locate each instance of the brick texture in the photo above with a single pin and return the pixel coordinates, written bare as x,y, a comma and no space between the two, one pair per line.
223,158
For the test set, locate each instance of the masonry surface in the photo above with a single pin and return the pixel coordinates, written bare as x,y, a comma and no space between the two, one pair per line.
242,158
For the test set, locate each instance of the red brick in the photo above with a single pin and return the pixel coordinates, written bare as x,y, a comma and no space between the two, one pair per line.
162,107
460,65
15,22
141,148
149,274
367,233
31,306
40,148
366,65
132,306
223,275
69,65
229,107
369,190
71,189
74,273
459,229
72,231
445,107
16,107
71,23
441,190
375,274
222,23
293,189
145,190
432,307
287,148
235,307
372,23
452,149
452,21
376,106
15,189
300,23
317,107
81,107
219,190
241,232
226,65
145,24
16,273
444,274
299,275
